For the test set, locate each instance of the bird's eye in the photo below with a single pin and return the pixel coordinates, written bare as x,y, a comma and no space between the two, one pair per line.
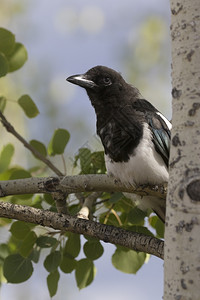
107,80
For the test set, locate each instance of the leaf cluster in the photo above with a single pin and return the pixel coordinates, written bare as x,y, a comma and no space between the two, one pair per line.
13,55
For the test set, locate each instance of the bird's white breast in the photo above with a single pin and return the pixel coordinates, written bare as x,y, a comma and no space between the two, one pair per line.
144,166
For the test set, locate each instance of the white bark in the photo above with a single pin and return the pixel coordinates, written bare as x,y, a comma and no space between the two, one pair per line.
85,211
182,243
75,184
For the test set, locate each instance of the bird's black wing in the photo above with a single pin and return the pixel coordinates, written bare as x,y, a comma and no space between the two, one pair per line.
161,134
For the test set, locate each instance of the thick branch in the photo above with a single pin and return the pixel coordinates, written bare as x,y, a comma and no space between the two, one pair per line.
74,184
107,233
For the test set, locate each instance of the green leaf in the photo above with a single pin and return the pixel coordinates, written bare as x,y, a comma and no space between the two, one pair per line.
52,261
110,220
27,244
2,103
85,272
68,264
19,230
49,199
35,255
58,142
5,221
136,216
124,205
84,156
52,282
28,106
4,251
46,241
34,169
22,199
98,162
4,67
17,57
40,147
36,201
17,268
7,41
115,197
19,174
14,173
93,250
90,238
128,261
14,244
6,156
158,225
90,163
73,245
6,175
74,209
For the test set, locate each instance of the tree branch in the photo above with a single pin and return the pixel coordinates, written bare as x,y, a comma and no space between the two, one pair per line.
85,211
106,233
74,184
60,200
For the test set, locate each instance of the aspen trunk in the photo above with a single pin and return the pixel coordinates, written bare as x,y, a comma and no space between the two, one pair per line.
182,236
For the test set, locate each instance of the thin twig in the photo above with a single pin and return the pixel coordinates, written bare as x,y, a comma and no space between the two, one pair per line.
101,202
36,153
108,214
64,164
116,216
60,198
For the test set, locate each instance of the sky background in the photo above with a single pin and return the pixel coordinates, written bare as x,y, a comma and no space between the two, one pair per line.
69,37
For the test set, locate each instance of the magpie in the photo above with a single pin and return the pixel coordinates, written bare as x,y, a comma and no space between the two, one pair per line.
135,135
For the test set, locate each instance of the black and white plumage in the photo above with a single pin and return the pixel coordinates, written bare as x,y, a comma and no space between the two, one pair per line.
135,135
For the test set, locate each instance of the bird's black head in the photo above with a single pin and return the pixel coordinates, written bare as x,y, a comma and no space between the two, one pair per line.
104,86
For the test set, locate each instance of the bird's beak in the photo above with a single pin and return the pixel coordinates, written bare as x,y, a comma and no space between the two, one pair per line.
82,80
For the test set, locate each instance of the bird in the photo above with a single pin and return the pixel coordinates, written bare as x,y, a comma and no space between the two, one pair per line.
135,135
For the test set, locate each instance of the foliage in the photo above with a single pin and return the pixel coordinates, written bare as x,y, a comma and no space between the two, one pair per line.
13,55
58,142
26,241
